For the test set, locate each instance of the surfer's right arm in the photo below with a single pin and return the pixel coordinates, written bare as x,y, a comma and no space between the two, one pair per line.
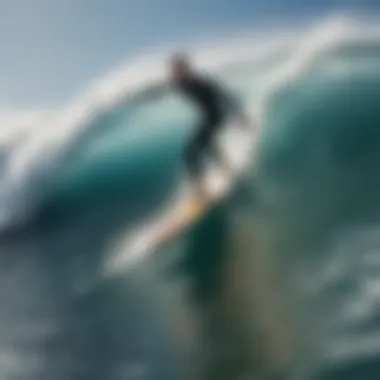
148,94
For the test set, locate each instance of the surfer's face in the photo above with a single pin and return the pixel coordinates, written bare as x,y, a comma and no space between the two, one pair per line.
180,70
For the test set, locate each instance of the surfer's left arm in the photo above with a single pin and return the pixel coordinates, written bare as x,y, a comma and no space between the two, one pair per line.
233,105
237,109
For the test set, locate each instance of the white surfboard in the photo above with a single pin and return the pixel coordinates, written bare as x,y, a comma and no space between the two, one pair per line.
238,144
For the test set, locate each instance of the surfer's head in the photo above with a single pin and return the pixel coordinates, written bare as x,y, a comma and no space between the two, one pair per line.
180,66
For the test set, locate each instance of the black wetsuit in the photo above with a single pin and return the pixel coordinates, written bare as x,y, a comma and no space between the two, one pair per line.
215,106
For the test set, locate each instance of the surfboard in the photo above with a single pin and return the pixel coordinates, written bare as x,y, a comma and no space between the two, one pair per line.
237,148
238,145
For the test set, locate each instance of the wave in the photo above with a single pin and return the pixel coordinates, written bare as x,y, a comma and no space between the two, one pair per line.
102,111
98,167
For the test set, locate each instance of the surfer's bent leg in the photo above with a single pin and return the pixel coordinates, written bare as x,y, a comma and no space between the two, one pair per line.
204,142
193,153
213,149
201,142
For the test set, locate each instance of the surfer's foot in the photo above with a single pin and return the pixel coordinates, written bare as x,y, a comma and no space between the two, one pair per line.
202,194
224,165
198,189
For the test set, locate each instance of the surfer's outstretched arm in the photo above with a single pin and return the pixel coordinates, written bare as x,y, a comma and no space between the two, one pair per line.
232,104
148,94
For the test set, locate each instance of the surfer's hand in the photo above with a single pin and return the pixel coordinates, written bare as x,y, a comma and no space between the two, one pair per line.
245,122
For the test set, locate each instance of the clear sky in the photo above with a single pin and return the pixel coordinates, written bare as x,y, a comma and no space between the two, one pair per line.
52,49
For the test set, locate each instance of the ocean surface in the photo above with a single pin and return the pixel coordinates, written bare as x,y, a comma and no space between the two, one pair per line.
279,280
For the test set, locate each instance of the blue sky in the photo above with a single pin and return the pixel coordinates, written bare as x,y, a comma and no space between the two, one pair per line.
52,49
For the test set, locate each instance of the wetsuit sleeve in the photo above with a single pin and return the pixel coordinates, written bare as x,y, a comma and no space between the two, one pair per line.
148,94
230,101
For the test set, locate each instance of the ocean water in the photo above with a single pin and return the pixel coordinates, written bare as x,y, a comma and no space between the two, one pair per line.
280,280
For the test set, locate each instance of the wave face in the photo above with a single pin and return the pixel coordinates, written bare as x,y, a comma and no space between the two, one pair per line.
295,246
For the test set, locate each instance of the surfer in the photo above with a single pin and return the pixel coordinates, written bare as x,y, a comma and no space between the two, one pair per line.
215,104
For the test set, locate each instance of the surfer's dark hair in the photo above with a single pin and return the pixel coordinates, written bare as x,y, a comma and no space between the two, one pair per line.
180,58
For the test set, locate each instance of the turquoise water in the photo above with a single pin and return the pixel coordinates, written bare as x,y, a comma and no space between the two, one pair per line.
301,234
